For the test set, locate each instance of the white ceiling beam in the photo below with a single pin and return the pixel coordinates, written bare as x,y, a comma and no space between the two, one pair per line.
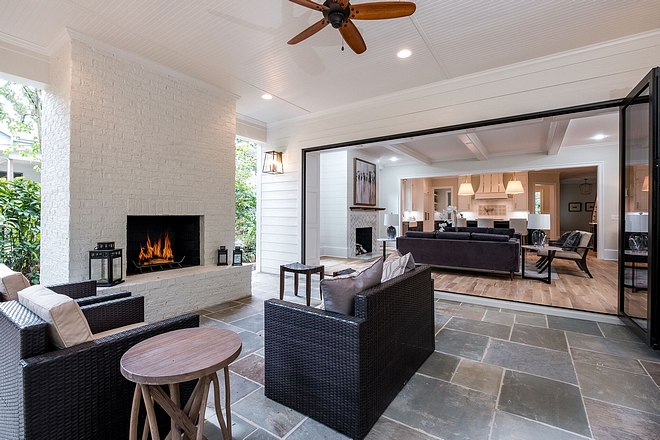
556,134
474,144
407,152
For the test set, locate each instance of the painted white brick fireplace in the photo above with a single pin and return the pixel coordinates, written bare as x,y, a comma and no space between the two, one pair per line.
123,137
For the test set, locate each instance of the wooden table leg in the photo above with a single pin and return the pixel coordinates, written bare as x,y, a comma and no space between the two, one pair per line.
218,408
308,286
281,282
322,275
175,432
228,402
151,414
135,411
202,408
295,283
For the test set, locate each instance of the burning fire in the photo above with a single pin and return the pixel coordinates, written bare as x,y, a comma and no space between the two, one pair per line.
157,252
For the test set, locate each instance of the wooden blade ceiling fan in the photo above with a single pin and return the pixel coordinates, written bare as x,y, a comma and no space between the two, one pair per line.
340,13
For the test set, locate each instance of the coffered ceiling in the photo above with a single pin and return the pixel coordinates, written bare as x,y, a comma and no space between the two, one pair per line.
240,45
541,136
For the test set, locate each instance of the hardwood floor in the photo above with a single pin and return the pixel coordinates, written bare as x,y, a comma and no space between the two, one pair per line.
573,290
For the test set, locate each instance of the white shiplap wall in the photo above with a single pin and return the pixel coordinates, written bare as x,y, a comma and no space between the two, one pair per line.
334,206
278,212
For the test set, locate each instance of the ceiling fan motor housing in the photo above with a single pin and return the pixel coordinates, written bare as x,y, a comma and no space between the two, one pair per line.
336,15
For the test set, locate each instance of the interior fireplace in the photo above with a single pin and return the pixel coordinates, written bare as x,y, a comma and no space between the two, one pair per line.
161,242
363,241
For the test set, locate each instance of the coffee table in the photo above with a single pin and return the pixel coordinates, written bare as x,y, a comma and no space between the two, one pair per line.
551,254
175,357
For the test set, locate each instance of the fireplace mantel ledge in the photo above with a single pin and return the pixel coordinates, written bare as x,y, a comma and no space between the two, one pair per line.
174,292
161,275
366,208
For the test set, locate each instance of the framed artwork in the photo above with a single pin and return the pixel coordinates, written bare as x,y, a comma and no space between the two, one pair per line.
575,207
364,183
589,206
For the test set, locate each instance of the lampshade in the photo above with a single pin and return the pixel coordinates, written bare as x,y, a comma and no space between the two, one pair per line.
645,185
391,219
514,186
273,163
466,188
538,221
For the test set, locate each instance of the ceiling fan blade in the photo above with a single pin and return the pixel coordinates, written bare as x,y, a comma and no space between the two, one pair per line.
342,3
309,31
352,37
382,10
310,4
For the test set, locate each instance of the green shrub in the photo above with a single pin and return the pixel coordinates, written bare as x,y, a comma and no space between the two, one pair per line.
20,220
246,199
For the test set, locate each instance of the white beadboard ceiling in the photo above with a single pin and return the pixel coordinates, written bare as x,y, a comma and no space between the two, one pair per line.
240,45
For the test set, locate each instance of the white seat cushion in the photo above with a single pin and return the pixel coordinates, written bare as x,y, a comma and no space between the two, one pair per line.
11,283
114,331
67,325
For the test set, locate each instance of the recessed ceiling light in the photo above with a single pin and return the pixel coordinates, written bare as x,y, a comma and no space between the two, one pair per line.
267,96
394,159
598,137
405,53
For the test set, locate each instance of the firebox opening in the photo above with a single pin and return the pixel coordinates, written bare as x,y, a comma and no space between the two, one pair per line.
162,242
363,241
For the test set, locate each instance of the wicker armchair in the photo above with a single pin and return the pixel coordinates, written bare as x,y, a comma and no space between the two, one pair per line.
345,370
77,392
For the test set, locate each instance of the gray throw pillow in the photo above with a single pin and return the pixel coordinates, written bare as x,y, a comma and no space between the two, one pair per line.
339,292
571,241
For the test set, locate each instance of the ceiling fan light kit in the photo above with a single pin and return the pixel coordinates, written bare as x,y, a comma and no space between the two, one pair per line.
340,13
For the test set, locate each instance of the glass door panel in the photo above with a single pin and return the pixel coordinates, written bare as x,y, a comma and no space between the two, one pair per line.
639,153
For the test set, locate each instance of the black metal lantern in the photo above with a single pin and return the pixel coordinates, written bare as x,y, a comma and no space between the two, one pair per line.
222,256
273,163
106,264
238,256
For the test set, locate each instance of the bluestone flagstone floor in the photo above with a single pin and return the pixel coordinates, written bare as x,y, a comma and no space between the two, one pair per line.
496,373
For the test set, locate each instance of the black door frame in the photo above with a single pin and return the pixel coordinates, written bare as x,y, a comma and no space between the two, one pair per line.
651,81
470,125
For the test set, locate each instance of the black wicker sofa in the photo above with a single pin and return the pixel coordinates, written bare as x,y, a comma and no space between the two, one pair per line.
76,392
344,371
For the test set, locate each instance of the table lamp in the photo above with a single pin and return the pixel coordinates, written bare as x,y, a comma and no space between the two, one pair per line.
538,223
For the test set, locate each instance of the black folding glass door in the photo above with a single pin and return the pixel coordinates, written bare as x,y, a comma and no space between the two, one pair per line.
639,252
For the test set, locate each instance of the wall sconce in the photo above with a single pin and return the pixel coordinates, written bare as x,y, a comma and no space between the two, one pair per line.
273,162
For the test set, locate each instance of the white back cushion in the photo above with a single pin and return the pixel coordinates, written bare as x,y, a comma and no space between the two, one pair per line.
10,283
67,325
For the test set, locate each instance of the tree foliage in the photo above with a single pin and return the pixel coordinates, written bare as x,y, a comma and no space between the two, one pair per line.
20,109
20,232
246,198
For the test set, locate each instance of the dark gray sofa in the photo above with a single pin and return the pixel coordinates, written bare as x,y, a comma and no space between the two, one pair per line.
467,248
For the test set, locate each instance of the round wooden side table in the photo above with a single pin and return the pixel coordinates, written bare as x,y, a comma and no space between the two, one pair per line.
175,357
